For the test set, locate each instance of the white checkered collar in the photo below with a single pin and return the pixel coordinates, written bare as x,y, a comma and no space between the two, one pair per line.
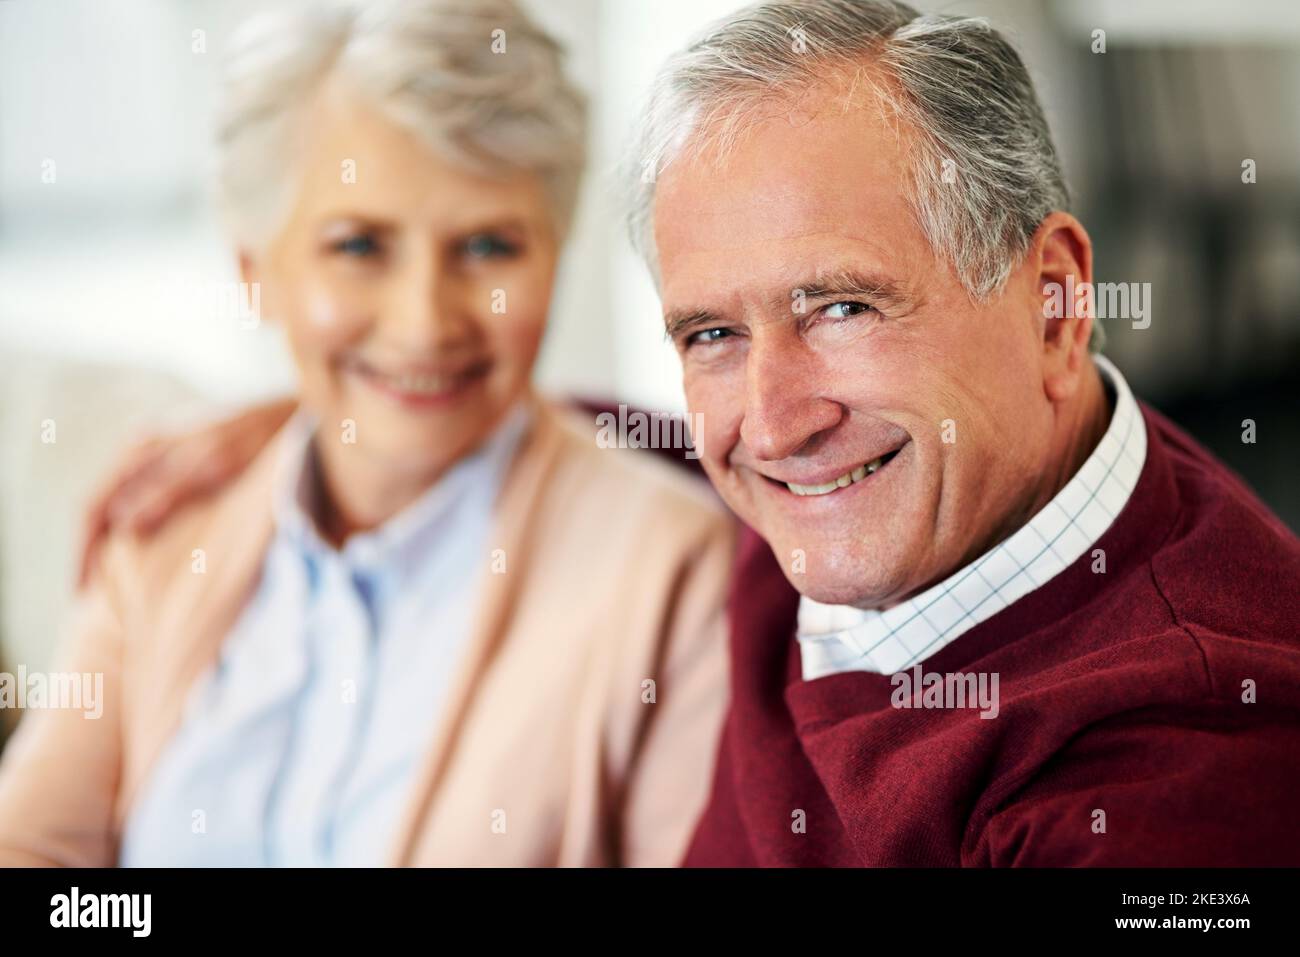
834,638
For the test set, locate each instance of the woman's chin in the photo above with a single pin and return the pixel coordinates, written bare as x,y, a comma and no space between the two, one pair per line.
407,451
406,431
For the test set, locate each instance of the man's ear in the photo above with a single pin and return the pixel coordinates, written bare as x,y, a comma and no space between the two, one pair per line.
1060,256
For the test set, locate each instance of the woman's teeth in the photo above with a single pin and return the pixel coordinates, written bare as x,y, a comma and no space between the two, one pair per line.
847,479
418,384
423,383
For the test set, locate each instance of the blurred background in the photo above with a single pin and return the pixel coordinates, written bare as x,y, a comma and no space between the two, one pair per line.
106,230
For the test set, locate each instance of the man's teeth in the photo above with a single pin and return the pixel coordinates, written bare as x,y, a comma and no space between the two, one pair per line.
848,478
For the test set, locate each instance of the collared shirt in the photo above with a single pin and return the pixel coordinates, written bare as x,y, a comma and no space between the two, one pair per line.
835,638
299,746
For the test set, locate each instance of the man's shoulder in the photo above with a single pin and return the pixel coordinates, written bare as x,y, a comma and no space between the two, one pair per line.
1196,787
1207,485
1228,565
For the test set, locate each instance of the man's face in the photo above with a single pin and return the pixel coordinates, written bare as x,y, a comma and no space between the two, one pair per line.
821,338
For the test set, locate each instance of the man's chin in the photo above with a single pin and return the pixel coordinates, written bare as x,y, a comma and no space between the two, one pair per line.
858,590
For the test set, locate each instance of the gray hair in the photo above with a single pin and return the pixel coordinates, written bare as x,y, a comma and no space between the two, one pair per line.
474,79
985,174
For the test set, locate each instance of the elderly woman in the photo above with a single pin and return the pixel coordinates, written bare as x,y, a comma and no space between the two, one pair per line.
433,622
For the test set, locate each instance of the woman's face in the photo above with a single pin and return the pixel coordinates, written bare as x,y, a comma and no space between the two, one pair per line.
414,294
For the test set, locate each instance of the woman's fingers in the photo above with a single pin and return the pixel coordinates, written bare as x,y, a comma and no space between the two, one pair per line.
160,475
114,495
192,468
149,486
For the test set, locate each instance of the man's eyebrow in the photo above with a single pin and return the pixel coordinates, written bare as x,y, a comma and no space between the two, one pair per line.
679,321
875,289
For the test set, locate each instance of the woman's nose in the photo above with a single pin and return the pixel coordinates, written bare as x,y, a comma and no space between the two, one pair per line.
431,310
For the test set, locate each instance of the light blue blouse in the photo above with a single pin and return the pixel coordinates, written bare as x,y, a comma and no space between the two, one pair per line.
299,746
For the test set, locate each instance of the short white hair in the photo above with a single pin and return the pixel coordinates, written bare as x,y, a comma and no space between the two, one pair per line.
985,172
493,101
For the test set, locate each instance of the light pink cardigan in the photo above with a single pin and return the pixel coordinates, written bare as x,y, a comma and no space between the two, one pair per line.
615,571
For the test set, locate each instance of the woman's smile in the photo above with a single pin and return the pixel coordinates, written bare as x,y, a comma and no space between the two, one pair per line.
422,386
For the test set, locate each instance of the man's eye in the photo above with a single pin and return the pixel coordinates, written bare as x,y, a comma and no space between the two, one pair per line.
489,246
359,247
707,336
844,310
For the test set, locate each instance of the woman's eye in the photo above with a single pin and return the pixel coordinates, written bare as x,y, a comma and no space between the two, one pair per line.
359,247
489,246
706,336
845,310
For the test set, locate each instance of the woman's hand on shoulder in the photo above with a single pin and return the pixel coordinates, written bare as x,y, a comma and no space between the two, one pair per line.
157,476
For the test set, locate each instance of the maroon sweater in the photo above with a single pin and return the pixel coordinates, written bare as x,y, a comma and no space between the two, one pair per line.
1120,692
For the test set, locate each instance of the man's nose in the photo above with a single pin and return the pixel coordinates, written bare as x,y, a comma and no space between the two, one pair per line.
784,405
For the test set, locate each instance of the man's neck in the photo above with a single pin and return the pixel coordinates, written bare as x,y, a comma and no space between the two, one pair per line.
1082,422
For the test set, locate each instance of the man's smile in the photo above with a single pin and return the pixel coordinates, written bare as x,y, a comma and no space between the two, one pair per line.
851,477
811,485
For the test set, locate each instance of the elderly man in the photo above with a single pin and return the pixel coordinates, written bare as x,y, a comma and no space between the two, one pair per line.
1038,625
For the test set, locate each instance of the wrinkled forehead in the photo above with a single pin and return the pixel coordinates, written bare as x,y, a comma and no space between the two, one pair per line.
795,191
